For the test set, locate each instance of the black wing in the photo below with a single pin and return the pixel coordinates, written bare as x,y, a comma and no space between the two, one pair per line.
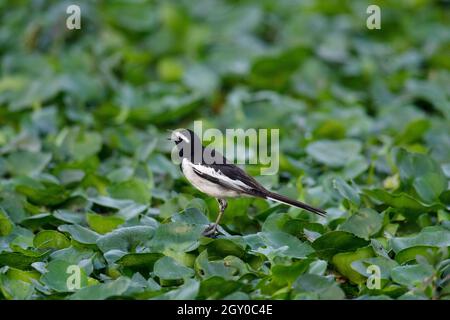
232,177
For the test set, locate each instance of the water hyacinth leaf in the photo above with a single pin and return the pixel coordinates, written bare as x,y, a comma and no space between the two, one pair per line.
20,260
13,205
168,268
82,144
343,262
191,216
318,267
6,225
385,266
413,131
79,233
26,276
411,275
139,260
103,224
134,189
50,239
42,192
214,268
102,291
208,288
39,221
69,216
61,274
365,223
177,236
313,286
411,253
414,165
79,255
431,236
334,153
14,289
27,163
71,176
188,291
277,243
226,247
411,206
430,186
126,209
334,242
287,274
125,239
347,191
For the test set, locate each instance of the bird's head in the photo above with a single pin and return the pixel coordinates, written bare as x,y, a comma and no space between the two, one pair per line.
187,143
185,136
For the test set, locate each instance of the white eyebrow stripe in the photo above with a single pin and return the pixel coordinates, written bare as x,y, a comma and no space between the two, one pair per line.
181,136
220,176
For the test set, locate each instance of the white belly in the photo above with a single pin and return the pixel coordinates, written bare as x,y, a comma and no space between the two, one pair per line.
204,185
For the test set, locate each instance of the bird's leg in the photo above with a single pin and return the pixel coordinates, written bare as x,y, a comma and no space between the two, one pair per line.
211,230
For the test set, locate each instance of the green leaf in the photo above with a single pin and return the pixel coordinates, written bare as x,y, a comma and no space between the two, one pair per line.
413,132
126,209
80,144
26,276
103,291
188,291
103,224
423,173
27,163
220,248
334,242
19,260
168,268
177,236
411,275
80,234
334,153
216,268
208,288
430,186
346,191
409,205
313,286
343,262
50,239
410,254
277,243
41,192
363,224
431,236
58,276
6,226
287,274
134,189
139,260
125,239
14,289
385,265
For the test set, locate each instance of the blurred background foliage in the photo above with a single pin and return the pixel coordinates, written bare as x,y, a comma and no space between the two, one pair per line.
85,171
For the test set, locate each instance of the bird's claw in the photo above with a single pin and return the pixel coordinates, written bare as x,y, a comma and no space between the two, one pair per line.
211,231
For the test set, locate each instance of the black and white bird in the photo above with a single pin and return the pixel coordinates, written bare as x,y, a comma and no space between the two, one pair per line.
220,178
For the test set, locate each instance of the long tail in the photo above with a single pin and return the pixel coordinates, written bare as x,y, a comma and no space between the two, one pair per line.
279,198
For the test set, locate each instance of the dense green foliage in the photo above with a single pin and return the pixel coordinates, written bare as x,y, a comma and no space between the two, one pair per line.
85,171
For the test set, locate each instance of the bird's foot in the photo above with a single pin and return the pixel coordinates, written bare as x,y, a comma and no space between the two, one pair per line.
211,231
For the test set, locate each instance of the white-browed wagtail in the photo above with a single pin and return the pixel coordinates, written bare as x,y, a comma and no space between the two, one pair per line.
219,178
